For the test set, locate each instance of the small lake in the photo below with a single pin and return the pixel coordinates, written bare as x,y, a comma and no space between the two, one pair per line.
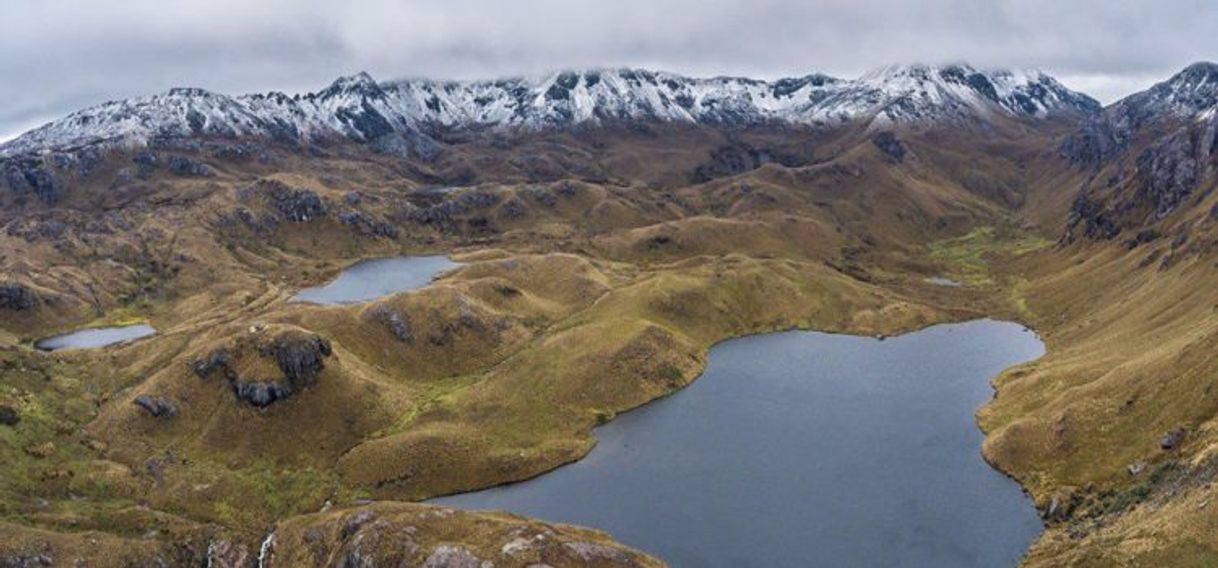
941,281
371,279
95,337
806,449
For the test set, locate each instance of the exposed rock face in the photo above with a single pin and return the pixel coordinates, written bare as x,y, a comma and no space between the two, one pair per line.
227,554
156,406
732,160
299,357
298,205
260,393
186,167
890,145
32,559
367,225
216,360
30,176
411,534
448,213
1094,221
1168,172
454,557
397,322
1095,142
16,297
391,117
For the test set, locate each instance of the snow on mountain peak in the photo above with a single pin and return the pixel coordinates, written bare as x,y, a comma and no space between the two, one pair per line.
959,89
360,108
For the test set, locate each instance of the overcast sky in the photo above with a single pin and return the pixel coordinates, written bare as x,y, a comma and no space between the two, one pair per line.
60,55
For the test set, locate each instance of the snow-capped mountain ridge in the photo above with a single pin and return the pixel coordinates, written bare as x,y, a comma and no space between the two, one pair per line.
1189,97
358,107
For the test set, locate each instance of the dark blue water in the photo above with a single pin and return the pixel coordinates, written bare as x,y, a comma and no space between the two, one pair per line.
95,337
372,279
806,449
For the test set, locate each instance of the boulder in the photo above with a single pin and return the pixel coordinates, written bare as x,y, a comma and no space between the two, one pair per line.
156,406
9,416
397,322
1172,439
16,297
300,356
216,360
186,167
260,393
452,557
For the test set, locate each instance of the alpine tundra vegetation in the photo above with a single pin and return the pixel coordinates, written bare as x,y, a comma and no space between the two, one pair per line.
604,228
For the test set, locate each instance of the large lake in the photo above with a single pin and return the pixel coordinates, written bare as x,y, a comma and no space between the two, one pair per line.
372,279
806,449
95,337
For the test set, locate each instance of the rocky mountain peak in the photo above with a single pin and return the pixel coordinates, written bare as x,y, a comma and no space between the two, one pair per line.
1191,92
358,107
914,91
360,85
1188,97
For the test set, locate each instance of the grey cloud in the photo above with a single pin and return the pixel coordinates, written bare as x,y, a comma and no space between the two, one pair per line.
60,55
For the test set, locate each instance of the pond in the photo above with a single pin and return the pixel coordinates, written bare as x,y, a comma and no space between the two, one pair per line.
95,337
806,449
371,279
942,281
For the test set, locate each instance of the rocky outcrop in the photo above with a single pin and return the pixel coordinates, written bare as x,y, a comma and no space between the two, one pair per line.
297,205
299,357
366,225
1090,219
1172,439
187,167
35,557
16,297
9,415
411,534
447,556
735,159
260,393
890,145
156,406
397,321
29,176
216,360
446,214
1168,172
1095,142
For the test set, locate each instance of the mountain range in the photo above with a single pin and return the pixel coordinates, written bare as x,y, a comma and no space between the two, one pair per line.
359,108
610,226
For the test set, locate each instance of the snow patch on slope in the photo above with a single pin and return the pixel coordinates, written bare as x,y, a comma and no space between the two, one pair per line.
359,108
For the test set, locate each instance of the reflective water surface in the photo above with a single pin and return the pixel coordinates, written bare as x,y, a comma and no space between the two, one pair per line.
806,449
372,279
95,337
